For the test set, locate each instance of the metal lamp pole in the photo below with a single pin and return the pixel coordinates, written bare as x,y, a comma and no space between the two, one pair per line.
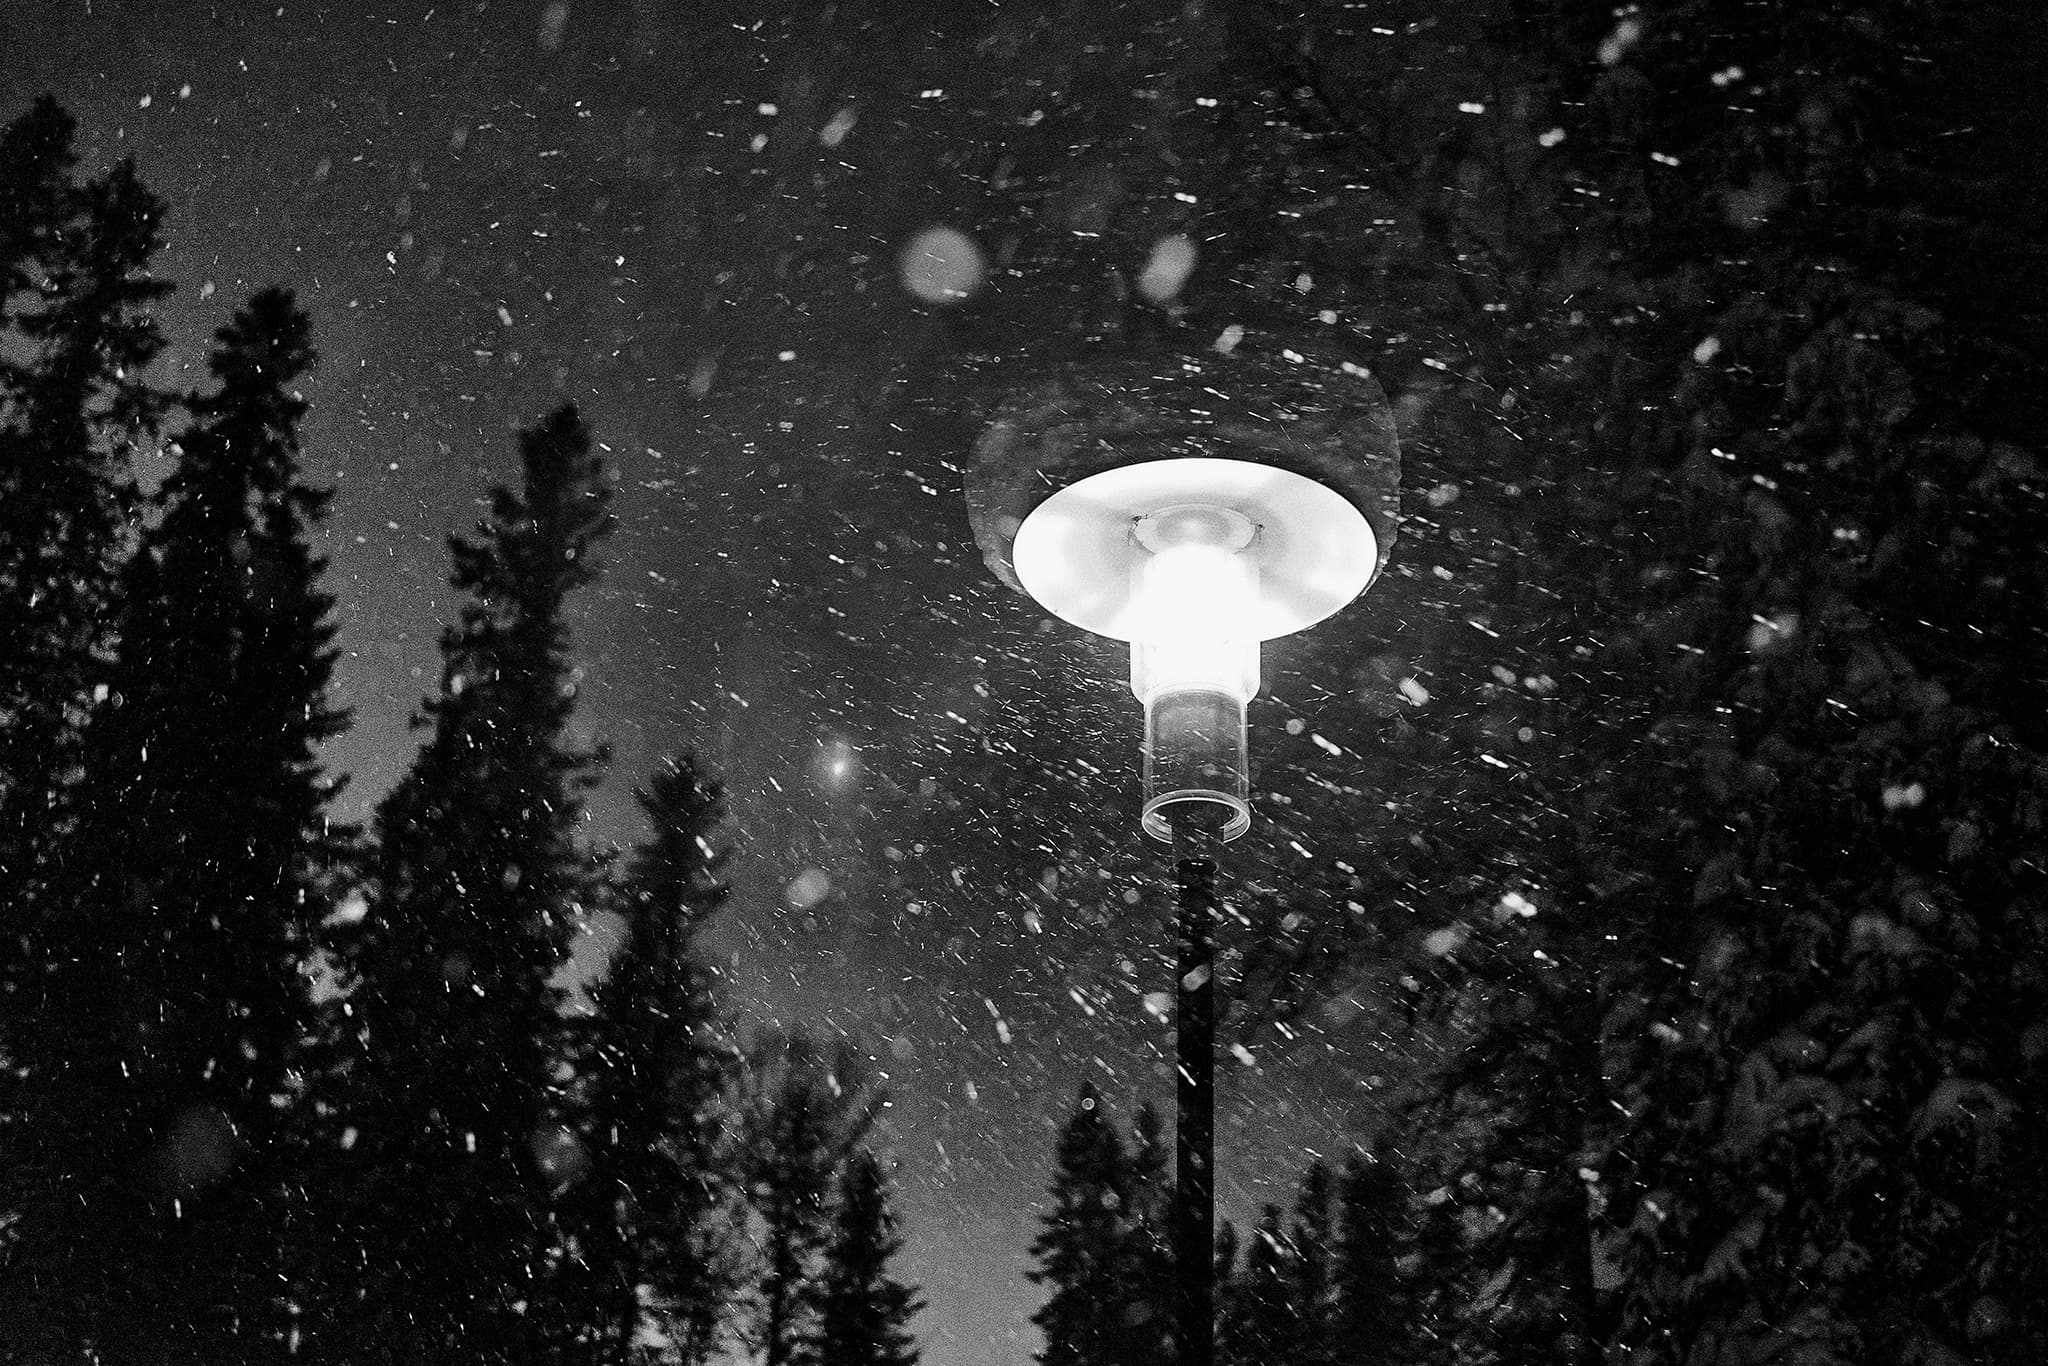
1194,1168
1118,499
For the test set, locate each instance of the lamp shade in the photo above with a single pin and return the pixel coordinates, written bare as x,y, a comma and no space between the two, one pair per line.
1294,409
1194,508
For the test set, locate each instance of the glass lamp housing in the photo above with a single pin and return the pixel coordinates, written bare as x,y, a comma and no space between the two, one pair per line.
1194,561
1195,664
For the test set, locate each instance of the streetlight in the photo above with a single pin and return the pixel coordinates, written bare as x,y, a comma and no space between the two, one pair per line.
1193,506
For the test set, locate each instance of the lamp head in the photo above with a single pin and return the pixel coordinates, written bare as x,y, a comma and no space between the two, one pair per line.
1194,561
1193,506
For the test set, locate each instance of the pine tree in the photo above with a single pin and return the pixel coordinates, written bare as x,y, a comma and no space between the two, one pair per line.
74,295
1149,1277
1719,1071
75,338
800,1117
1817,1159
1315,1248
863,1313
36,198
217,703
1082,1249
1261,1320
477,882
649,1216
1370,1311
1226,1259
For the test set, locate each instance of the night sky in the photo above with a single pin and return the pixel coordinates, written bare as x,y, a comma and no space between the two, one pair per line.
687,216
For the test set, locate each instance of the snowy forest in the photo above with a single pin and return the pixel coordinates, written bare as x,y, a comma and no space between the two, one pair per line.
1679,889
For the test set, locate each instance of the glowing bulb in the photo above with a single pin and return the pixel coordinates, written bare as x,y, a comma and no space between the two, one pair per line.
1195,664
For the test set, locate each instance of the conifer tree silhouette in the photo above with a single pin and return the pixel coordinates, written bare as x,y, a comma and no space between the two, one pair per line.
477,879
863,1312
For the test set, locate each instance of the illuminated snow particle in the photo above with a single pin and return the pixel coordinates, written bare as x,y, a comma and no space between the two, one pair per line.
1443,495
145,101
766,110
1550,137
1158,1004
350,910
837,127
1615,45
1767,633
807,889
1444,942
1904,796
554,22
1326,745
1727,76
1471,107
1167,269
785,356
1517,904
941,265
1227,340
1414,693
1664,158
1708,348
1242,1054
